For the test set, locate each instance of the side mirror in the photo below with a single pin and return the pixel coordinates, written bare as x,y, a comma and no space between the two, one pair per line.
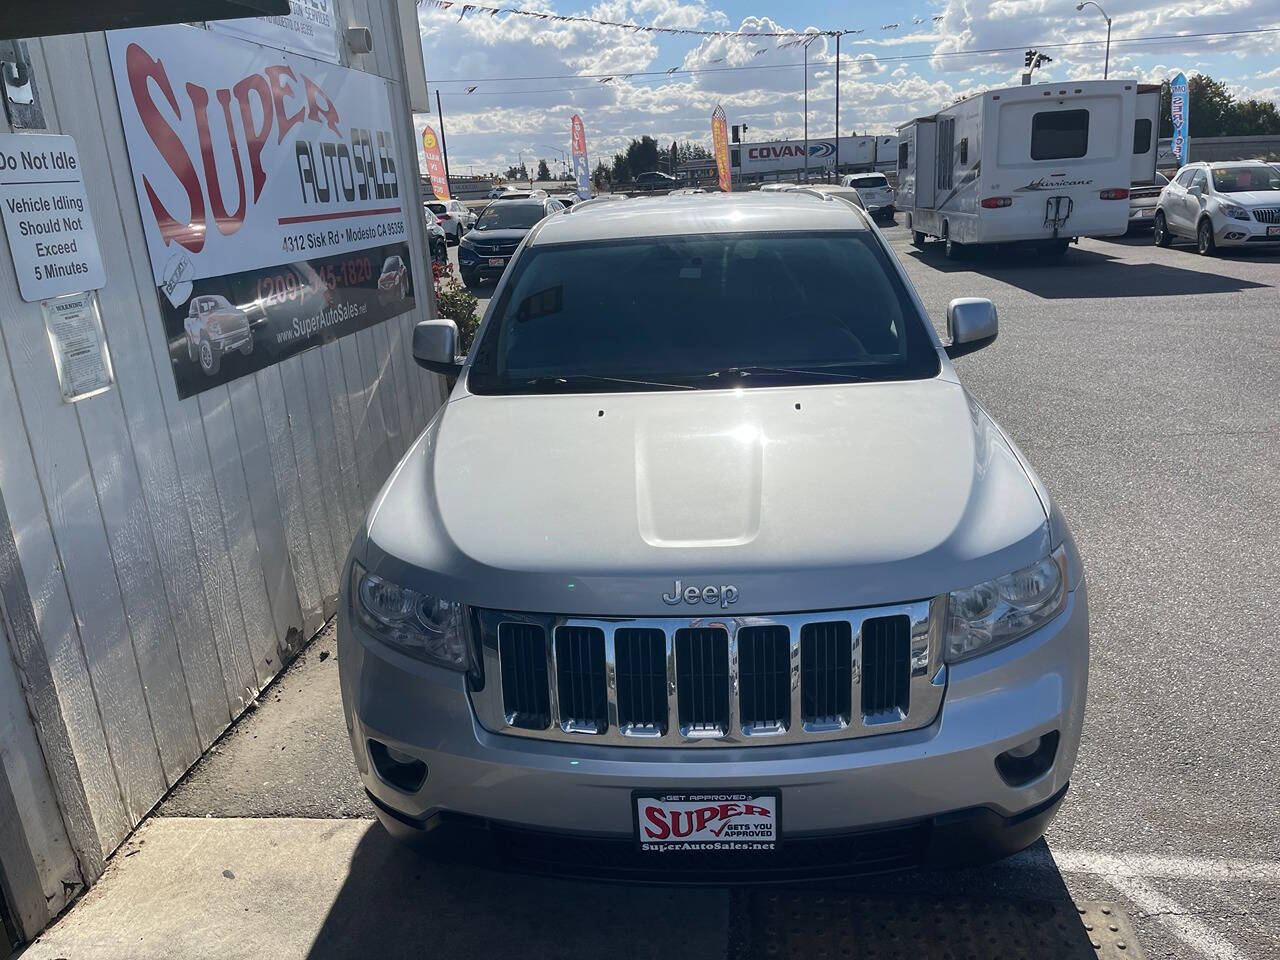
435,346
971,324
1194,190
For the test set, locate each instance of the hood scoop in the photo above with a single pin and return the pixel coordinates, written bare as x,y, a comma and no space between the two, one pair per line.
698,489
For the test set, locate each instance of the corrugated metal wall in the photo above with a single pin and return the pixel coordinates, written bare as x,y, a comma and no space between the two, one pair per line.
172,555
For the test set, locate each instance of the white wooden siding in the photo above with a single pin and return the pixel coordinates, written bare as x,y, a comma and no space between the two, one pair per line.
162,559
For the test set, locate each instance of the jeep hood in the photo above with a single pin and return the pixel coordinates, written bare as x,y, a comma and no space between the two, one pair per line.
803,498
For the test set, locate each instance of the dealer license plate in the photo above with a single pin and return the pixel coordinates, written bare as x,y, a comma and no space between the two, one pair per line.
1273,231
497,262
706,820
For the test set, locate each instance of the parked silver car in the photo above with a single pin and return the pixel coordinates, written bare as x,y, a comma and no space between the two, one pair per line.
1143,199
708,566
1233,204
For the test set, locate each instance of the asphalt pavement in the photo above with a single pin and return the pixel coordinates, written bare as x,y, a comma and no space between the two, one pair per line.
1144,386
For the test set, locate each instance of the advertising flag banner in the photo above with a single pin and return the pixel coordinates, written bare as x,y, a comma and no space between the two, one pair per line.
581,170
435,163
1179,101
720,140
269,190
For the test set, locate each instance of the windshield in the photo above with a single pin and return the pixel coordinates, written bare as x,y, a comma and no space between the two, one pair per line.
510,216
711,311
869,182
1243,179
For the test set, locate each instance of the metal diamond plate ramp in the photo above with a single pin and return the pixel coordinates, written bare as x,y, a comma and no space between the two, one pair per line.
816,926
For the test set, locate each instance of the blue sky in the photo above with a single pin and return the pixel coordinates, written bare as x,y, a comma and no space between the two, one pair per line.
503,119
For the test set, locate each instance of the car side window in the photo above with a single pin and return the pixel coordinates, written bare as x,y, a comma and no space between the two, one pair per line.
1200,180
1184,178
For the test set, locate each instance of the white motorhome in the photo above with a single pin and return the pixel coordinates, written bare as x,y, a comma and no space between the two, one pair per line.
1044,163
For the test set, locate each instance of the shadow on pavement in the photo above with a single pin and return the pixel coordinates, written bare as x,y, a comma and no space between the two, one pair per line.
397,902
1080,274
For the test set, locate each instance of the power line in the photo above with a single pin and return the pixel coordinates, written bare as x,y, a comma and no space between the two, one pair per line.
824,61
482,10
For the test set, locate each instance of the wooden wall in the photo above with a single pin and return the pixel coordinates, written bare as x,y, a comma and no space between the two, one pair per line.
169,556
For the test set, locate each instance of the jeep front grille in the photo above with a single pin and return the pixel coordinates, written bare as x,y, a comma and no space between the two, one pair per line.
711,681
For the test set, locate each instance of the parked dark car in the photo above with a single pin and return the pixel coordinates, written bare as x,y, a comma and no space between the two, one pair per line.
486,250
655,180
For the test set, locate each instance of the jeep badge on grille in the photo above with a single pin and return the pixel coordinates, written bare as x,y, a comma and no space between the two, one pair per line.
724,595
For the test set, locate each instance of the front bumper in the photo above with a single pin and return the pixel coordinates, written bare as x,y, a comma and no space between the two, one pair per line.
830,788
1229,232
234,340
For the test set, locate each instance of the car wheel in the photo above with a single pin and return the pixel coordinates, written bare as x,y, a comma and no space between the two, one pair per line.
1204,238
246,348
917,239
1160,231
191,350
210,361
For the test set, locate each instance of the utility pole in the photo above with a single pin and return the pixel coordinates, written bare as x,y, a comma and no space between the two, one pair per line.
837,108
806,105
444,148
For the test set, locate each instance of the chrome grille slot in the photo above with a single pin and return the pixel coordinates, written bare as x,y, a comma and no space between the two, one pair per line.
580,679
1267,214
641,658
710,681
826,670
886,666
702,681
522,650
764,679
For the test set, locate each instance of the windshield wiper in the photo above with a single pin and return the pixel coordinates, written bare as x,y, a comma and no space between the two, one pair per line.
600,378
816,371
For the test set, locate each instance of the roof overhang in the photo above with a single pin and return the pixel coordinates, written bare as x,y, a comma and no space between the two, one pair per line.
26,19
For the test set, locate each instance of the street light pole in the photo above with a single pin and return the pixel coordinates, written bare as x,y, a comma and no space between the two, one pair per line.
806,105
1106,60
837,108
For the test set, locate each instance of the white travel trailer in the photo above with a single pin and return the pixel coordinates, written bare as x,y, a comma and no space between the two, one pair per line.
1044,163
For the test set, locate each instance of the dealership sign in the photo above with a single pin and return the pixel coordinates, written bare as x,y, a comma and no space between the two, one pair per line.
720,143
434,161
309,28
270,195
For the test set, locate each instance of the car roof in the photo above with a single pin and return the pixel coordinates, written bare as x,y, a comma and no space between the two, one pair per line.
701,214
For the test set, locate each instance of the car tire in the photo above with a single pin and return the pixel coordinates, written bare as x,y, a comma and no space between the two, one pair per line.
246,348
1160,230
210,359
191,351
1205,244
917,239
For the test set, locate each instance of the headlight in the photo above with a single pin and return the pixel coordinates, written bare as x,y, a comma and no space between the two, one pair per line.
465,242
997,612
417,624
1234,212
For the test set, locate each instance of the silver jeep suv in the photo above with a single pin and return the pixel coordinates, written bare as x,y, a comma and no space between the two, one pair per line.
707,566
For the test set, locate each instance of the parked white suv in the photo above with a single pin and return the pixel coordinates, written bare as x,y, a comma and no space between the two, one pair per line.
1220,205
706,566
877,196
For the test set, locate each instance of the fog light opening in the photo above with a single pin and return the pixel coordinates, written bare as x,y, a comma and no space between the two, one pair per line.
1028,761
397,768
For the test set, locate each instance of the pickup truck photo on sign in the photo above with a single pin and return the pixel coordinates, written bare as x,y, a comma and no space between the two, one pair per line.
270,194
